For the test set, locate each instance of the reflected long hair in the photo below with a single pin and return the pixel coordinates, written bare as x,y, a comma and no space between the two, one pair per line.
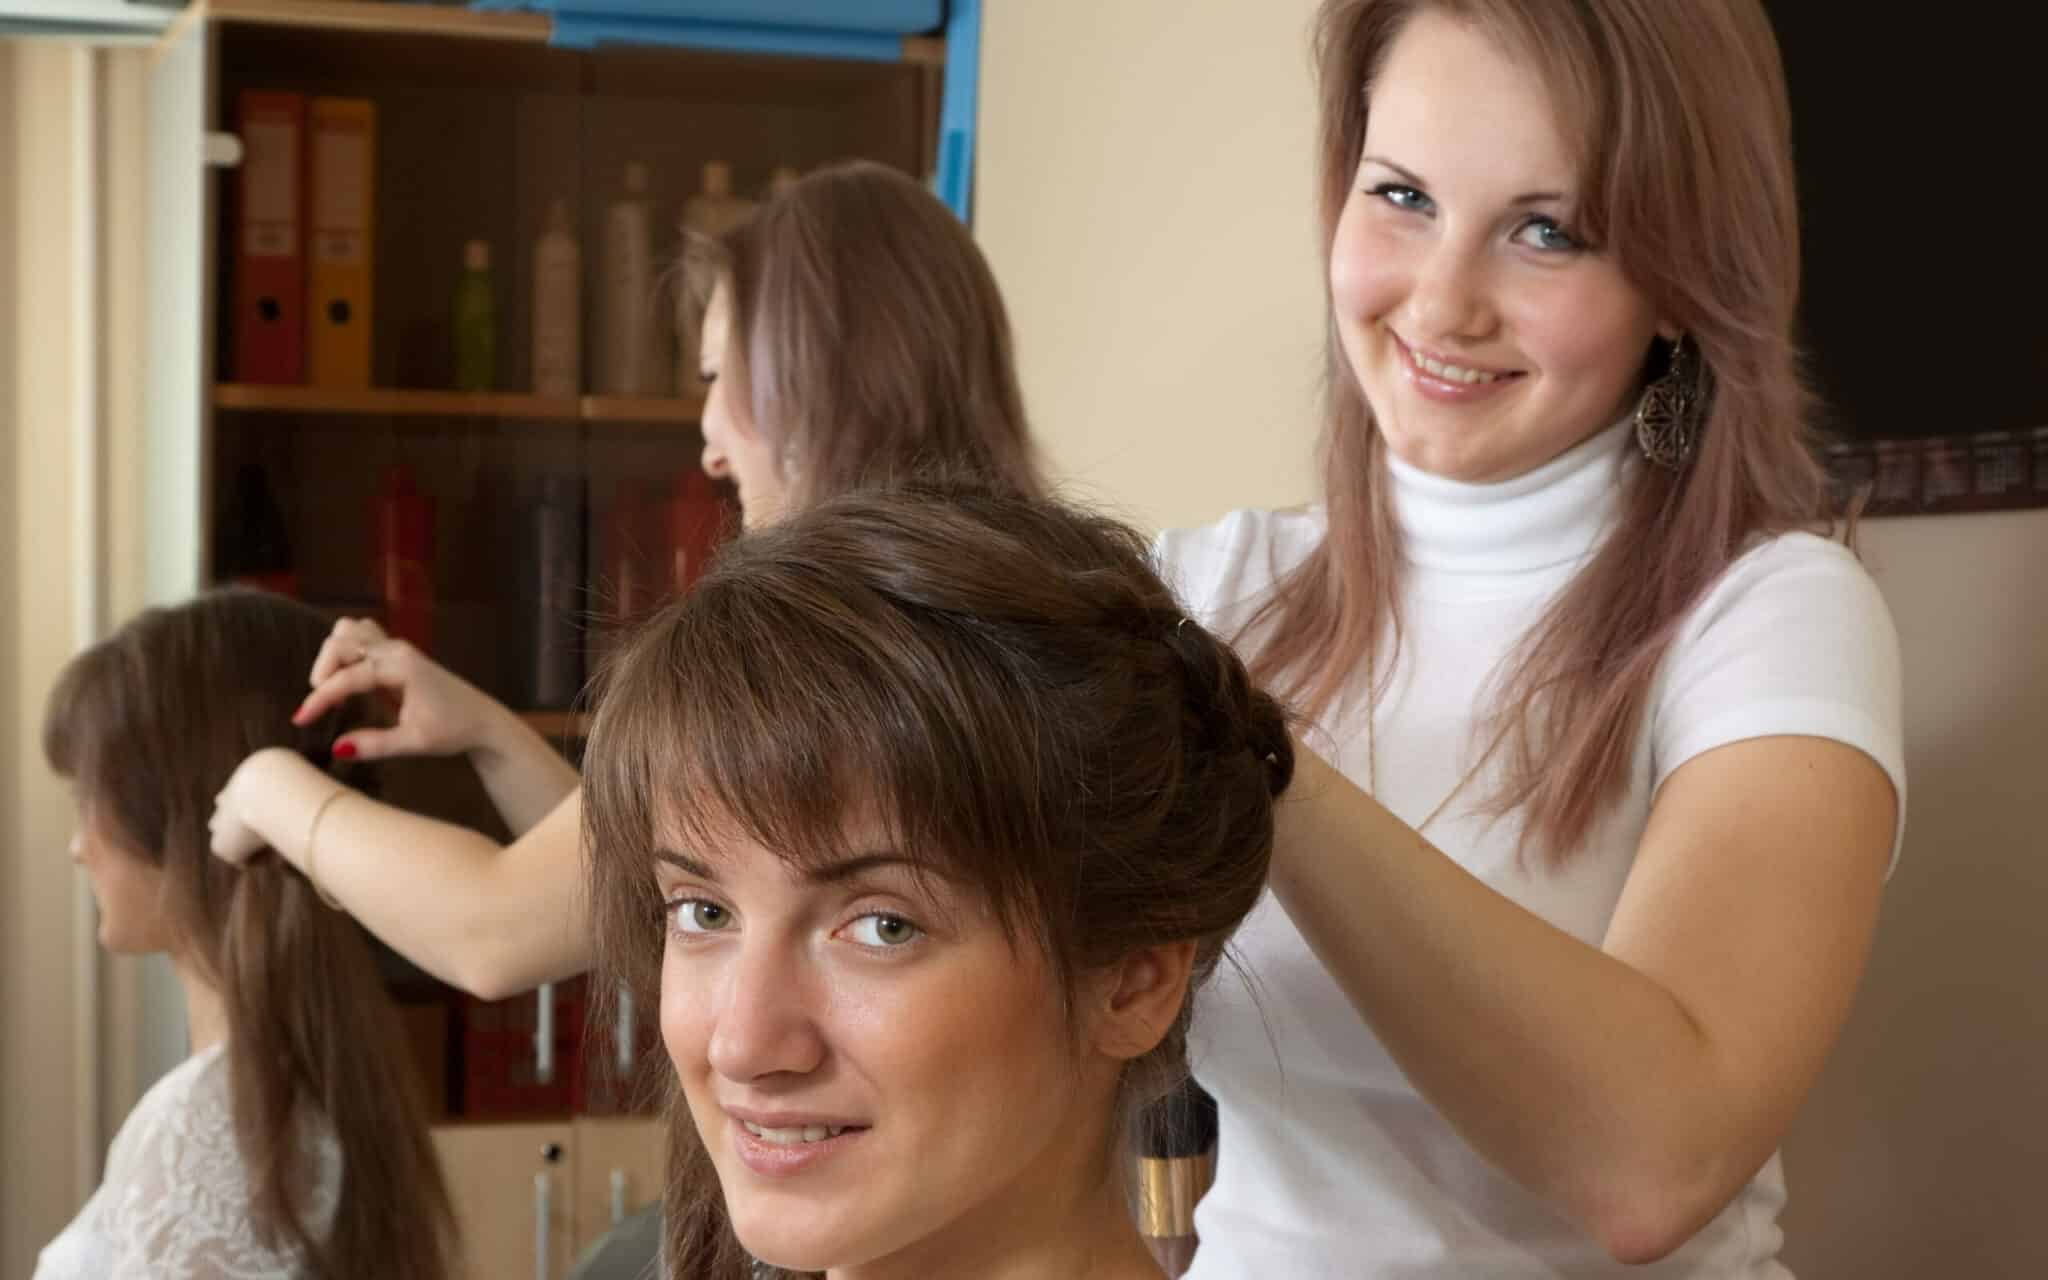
149,724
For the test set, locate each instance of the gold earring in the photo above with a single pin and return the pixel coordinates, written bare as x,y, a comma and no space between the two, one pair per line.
1669,415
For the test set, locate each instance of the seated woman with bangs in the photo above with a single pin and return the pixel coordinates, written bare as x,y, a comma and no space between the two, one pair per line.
924,815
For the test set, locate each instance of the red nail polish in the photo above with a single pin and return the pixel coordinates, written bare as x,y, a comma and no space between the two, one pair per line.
344,751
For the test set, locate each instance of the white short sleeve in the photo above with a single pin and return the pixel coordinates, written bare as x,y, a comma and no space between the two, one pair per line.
1794,639
1224,571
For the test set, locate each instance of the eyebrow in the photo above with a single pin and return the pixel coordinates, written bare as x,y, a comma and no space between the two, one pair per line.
1410,177
831,873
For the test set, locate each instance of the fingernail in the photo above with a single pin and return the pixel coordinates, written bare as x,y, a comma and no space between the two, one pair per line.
344,751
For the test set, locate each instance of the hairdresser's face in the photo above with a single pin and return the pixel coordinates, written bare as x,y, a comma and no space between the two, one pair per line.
733,444
1486,337
129,891
876,1072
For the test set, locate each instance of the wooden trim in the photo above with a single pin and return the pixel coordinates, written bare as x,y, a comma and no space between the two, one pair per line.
558,724
403,403
379,16
393,402
642,408
925,51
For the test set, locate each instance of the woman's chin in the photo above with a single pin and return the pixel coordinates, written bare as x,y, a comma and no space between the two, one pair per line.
796,1246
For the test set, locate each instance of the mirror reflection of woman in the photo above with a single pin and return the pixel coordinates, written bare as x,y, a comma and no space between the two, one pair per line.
854,333
293,1141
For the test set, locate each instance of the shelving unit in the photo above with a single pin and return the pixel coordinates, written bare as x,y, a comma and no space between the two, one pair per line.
482,122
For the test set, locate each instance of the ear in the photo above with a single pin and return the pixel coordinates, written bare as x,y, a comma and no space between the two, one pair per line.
1137,999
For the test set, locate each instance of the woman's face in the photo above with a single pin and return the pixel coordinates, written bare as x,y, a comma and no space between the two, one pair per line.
1485,336
733,444
127,889
877,1072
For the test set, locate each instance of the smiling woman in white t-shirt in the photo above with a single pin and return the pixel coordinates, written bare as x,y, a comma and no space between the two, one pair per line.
1572,907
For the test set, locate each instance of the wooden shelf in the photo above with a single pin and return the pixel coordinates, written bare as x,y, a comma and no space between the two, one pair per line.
642,408
382,16
387,17
255,398
558,724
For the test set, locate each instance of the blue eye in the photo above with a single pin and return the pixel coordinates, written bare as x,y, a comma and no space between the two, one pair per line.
1545,234
698,916
1401,197
883,931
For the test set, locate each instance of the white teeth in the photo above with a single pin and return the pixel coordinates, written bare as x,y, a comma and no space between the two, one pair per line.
1451,372
791,1137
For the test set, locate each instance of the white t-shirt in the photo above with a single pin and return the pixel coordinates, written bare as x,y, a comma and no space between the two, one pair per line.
1329,1162
174,1204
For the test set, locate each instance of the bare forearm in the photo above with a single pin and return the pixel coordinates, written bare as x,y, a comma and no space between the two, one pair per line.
1575,1074
525,777
491,919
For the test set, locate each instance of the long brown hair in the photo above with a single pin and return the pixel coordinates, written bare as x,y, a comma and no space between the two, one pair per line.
149,724
868,334
1004,683
1683,132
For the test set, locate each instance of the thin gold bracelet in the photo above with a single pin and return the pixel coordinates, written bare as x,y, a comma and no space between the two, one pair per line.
313,830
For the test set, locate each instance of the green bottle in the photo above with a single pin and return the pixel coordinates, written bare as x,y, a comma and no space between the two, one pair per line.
476,322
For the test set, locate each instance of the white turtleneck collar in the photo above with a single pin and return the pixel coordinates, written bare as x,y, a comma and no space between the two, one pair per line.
1548,518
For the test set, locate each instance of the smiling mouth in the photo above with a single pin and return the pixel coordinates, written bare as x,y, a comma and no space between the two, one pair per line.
1446,371
798,1137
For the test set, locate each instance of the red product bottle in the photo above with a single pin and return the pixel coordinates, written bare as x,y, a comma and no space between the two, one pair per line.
403,520
632,585
698,519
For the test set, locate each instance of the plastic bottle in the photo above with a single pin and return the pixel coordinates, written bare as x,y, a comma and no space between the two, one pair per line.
552,599
712,212
557,307
699,519
476,321
627,355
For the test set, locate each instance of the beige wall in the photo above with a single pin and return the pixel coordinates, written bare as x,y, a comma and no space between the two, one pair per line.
40,1089
1921,1152
12,1032
1144,191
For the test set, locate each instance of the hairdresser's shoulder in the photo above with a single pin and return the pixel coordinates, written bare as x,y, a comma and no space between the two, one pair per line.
1794,638
1802,574
1221,570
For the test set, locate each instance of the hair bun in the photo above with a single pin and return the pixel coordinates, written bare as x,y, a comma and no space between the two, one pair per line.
1227,711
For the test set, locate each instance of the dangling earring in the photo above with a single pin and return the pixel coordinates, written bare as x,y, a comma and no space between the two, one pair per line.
789,458
1668,418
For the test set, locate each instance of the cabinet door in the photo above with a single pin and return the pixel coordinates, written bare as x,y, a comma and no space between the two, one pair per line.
512,1186
618,1171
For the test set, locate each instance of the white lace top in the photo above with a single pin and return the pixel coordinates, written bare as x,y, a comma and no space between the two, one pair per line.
175,1201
